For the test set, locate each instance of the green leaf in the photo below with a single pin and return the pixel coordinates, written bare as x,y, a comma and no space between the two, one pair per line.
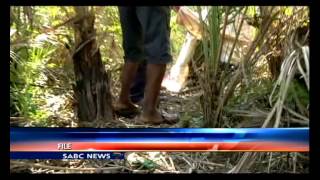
251,11
51,65
149,164
288,11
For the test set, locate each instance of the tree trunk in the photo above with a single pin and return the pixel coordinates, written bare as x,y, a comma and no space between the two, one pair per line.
92,89
274,64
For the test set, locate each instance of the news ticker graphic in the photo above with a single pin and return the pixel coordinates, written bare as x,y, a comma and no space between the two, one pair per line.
67,155
68,140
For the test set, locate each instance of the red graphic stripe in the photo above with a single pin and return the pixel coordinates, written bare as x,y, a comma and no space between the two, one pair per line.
163,146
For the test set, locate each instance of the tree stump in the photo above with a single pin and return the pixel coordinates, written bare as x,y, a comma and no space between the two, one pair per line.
92,88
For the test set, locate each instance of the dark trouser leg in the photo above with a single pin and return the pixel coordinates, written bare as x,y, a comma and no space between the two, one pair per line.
138,86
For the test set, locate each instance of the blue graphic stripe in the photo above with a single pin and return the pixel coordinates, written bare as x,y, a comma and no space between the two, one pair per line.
67,155
297,135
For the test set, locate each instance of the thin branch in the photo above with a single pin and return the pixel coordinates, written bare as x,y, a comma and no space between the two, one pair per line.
82,45
296,114
64,168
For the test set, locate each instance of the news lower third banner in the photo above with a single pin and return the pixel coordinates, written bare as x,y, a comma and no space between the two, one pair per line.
91,143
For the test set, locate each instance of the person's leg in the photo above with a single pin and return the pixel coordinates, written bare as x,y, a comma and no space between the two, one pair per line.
155,74
155,25
127,77
138,86
133,49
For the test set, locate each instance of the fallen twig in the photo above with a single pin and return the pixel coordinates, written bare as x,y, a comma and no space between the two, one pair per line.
211,163
37,165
